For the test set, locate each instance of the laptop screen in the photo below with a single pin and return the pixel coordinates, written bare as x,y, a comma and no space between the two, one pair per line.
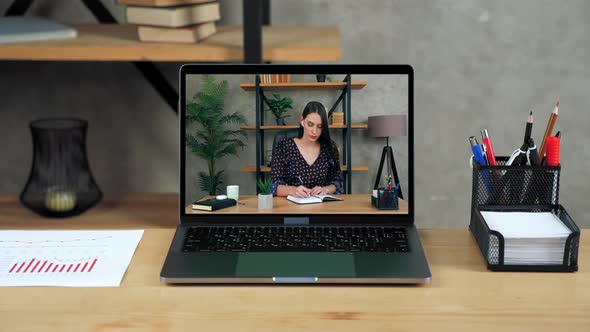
296,144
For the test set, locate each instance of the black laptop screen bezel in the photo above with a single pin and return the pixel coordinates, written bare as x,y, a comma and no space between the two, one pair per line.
278,218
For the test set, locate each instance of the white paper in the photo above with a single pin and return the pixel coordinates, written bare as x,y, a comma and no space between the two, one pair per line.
529,237
66,258
526,224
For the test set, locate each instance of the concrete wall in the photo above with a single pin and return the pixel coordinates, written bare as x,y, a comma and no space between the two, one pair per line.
478,64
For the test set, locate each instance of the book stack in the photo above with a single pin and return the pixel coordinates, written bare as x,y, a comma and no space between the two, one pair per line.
536,238
275,78
173,21
337,118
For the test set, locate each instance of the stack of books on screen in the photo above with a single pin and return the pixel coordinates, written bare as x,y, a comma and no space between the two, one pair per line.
530,238
173,21
275,78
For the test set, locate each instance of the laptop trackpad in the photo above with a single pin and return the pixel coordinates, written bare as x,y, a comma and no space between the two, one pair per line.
295,264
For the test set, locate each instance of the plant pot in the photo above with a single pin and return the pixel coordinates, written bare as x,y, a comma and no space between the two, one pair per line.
264,202
281,122
320,77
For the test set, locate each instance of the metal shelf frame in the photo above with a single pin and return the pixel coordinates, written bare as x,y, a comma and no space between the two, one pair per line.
344,100
255,14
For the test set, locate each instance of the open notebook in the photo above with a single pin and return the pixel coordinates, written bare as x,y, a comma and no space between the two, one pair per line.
313,199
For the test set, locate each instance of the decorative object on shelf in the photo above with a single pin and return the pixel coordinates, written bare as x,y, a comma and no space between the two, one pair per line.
60,183
213,138
386,126
278,106
264,197
173,16
337,118
274,78
268,156
323,78
23,29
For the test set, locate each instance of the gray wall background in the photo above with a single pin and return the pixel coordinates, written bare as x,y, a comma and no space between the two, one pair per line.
478,64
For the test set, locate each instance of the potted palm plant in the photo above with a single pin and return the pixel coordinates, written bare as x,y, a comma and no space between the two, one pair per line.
214,135
264,197
278,106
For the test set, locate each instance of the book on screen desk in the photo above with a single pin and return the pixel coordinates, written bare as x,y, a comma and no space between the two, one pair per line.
313,199
213,204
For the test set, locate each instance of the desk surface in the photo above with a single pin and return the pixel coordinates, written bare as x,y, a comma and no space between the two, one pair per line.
356,203
463,295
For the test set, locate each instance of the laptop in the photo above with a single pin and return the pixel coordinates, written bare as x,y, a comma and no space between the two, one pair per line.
367,238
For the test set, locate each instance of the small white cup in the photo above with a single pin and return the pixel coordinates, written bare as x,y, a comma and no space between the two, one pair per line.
233,192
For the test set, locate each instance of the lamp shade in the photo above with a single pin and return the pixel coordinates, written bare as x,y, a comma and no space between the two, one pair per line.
388,125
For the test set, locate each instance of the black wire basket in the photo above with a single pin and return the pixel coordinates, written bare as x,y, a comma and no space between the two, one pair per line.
60,183
504,188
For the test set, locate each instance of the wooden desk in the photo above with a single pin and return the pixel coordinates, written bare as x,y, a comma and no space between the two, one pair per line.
463,295
357,204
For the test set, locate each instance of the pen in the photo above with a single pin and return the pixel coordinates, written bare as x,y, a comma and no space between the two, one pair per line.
528,128
516,158
483,149
549,129
489,147
301,181
479,158
531,194
533,154
388,184
477,154
552,158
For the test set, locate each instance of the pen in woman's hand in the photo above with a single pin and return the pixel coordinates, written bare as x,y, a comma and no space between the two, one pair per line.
301,181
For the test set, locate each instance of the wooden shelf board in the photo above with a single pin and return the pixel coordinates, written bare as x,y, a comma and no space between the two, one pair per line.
119,42
266,169
305,86
354,126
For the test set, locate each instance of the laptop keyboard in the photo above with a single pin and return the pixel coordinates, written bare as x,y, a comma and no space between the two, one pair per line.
296,239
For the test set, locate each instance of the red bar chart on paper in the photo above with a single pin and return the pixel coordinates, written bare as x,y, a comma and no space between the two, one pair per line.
65,258
52,266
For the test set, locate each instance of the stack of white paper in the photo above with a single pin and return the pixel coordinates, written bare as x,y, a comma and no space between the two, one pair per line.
529,237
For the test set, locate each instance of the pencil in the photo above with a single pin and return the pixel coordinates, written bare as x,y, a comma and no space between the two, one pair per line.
549,129
528,128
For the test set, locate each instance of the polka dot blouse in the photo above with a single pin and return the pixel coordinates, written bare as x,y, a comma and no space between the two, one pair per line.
290,168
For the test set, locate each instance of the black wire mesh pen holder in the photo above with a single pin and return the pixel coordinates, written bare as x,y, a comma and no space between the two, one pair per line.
385,199
515,185
60,183
503,188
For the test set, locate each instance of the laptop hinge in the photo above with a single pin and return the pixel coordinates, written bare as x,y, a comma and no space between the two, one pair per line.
296,220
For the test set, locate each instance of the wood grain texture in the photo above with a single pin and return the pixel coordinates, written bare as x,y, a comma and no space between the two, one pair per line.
463,295
114,42
356,203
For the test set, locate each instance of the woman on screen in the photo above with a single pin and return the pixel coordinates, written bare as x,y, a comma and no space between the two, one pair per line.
308,164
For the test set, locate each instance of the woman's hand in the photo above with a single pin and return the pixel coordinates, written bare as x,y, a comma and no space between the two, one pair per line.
302,192
319,191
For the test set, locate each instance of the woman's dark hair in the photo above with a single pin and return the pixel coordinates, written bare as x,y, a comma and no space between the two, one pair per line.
324,139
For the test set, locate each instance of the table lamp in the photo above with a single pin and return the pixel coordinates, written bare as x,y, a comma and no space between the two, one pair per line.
386,126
